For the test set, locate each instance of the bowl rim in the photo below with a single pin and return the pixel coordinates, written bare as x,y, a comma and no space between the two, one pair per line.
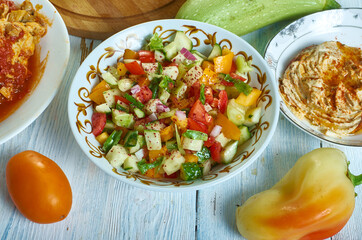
62,31
191,187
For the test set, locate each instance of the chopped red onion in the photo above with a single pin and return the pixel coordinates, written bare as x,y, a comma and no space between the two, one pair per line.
187,54
216,131
139,154
181,115
135,89
152,117
208,108
162,108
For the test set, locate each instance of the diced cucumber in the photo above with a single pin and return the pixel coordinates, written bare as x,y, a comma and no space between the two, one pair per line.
180,90
159,56
155,125
167,114
193,75
242,66
252,116
130,140
206,167
199,57
153,139
173,163
236,112
182,70
180,41
130,164
190,171
191,144
244,134
122,119
241,17
110,126
139,113
151,105
122,106
140,143
171,145
113,71
150,68
171,71
180,59
195,135
110,79
109,96
215,52
125,84
222,139
178,140
164,95
116,155
103,108
229,152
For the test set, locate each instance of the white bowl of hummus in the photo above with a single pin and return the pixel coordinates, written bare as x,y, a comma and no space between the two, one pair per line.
317,63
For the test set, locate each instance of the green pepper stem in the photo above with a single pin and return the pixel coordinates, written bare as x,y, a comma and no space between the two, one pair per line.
355,179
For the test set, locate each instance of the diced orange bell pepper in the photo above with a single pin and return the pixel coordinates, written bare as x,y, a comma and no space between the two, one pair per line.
97,92
181,124
191,158
207,64
152,173
208,77
121,69
222,64
143,81
102,85
229,129
129,54
248,100
154,154
167,133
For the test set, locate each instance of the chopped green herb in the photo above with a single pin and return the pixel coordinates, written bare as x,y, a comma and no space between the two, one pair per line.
159,68
240,85
165,83
143,166
154,87
204,154
129,168
155,42
196,135
202,94
134,101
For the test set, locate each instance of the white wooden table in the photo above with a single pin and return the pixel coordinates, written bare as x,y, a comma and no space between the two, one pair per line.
104,208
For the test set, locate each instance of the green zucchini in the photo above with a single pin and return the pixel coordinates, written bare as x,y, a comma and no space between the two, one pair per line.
244,16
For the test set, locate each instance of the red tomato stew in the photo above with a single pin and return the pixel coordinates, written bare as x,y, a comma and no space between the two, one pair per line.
21,28
170,111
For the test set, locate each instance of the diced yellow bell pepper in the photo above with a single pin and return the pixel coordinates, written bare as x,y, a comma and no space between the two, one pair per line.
181,124
191,158
154,154
222,64
248,100
207,64
121,69
129,54
167,133
152,174
209,77
229,129
225,51
101,138
97,92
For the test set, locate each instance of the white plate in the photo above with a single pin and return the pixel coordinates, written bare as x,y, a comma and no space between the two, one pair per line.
80,107
56,44
343,25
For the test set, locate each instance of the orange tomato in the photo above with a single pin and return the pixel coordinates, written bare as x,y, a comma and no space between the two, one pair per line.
38,187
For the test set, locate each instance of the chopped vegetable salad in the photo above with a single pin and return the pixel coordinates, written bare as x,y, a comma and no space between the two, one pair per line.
170,111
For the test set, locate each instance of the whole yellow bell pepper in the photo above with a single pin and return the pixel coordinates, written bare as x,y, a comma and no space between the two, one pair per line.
314,200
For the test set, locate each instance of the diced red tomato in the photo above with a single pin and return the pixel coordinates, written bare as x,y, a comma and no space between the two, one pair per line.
173,175
98,122
197,126
223,101
215,103
146,56
134,68
144,95
199,114
209,97
172,64
194,91
215,150
236,76
122,99
210,141
233,67
226,83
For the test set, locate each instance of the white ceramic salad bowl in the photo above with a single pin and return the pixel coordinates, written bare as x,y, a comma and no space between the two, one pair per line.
203,36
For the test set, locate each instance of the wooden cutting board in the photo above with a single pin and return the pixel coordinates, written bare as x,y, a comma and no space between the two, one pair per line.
99,19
